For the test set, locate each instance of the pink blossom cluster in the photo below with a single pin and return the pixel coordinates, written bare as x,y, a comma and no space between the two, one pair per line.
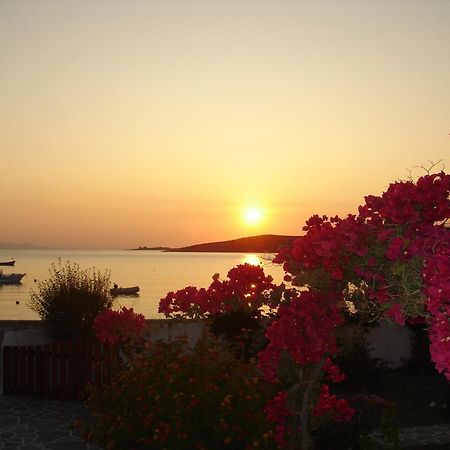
406,222
305,332
278,413
304,329
335,251
332,371
247,288
335,408
119,326
395,313
436,276
330,244
408,202
402,230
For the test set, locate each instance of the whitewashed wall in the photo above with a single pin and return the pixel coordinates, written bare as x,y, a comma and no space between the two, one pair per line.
390,342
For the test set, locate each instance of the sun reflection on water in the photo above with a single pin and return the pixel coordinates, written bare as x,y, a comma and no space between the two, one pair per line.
254,260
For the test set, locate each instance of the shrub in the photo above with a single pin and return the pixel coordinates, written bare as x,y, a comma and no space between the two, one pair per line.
70,299
419,361
173,397
362,371
375,420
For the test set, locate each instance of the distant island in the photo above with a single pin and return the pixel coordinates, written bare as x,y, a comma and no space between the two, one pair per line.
151,248
267,243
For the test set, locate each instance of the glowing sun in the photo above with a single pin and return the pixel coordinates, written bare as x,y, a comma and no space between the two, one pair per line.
253,215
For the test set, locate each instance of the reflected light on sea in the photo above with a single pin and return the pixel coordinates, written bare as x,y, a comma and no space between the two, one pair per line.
155,272
254,260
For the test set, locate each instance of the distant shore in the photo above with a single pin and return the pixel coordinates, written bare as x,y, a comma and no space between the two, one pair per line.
267,243
151,248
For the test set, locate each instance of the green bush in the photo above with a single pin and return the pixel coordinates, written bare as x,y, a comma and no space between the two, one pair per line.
362,371
375,420
176,398
70,299
419,361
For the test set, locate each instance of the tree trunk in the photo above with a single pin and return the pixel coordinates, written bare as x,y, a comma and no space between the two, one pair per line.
306,441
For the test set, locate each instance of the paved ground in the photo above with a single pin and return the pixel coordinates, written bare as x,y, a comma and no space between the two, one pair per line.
36,424
425,437
437,436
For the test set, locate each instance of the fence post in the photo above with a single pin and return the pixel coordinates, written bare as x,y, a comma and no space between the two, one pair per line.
6,370
54,381
57,370
22,370
39,388
62,358
46,374
71,385
79,365
14,370
30,378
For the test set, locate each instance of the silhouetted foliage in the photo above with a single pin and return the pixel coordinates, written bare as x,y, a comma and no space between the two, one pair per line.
70,299
420,360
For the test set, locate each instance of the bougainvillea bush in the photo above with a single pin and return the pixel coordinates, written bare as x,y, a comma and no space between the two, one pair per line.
123,327
246,289
390,261
170,396
232,306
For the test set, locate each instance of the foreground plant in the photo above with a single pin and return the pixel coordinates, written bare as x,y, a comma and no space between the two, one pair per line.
170,396
246,289
70,300
391,262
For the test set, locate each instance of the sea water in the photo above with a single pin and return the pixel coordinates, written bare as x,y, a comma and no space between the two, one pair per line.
155,272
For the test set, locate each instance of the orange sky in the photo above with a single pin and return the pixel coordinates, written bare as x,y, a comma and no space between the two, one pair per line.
155,123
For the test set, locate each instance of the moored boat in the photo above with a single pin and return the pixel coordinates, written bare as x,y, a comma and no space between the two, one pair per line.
7,263
124,290
11,278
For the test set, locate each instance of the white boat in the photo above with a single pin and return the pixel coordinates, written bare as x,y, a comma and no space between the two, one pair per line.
11,278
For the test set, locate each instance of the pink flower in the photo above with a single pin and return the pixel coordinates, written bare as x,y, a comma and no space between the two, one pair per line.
305,329
278,413
119,326
328,405
394,250
395,312
247,288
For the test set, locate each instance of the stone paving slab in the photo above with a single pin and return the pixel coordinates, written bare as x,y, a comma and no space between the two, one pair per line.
37,424
422,437
425,436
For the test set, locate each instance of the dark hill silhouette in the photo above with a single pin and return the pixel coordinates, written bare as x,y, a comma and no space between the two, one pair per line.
267,243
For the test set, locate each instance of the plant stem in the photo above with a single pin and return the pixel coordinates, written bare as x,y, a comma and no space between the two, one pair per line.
306,442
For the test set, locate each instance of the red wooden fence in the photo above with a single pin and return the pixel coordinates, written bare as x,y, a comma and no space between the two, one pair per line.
59,370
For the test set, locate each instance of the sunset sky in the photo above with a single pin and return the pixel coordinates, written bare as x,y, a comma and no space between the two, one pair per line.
127,123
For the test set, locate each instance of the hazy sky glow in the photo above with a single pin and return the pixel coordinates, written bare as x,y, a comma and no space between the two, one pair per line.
126,123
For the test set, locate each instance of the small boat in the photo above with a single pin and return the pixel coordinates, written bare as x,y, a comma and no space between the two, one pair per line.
7,263
11,278
124,290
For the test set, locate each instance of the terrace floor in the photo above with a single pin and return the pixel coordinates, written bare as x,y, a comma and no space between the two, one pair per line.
36,424
424,437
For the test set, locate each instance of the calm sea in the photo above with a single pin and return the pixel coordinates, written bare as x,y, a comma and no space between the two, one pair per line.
155,272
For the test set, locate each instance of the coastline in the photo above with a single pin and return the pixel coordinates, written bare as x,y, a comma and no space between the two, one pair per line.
267,243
